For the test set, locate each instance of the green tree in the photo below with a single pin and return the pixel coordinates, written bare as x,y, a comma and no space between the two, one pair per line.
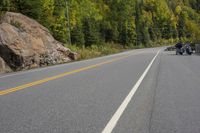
78,35
5,5
31,8
90,30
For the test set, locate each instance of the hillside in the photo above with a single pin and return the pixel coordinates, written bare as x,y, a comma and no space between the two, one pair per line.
128,22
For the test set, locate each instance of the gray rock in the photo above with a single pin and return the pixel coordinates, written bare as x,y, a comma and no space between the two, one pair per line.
25,44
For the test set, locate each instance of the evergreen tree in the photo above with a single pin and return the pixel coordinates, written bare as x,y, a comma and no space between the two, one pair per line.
32,8
91,34
5,5
78,35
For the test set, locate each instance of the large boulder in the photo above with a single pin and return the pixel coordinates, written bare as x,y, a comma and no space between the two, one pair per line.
25,44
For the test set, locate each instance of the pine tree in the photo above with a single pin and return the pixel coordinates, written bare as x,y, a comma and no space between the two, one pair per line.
5,5
91,34
31,8
78,35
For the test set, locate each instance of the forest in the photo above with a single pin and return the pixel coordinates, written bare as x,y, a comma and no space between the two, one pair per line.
128,23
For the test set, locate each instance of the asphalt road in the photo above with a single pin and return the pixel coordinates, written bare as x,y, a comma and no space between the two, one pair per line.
140,91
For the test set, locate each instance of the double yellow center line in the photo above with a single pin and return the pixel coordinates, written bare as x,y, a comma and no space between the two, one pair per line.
38,82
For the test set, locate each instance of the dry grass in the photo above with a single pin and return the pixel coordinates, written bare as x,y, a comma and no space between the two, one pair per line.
96,50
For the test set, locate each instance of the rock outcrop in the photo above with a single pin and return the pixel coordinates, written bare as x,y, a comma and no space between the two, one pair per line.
25,44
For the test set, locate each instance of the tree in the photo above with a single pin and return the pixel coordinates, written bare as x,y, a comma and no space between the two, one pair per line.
78,35
5,5
31,8
90,30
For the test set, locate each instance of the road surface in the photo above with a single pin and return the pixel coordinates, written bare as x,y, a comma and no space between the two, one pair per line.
139,91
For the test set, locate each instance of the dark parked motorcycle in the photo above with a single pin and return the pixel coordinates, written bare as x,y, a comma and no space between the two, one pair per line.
179,48
188,49
180,51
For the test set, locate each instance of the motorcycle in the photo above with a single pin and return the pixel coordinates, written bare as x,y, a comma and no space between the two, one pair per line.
180,51
188,50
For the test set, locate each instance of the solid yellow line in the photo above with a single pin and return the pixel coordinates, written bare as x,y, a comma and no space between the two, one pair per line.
38,82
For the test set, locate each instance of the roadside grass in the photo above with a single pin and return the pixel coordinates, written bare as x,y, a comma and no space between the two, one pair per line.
112,48
102,50
96,50
109,48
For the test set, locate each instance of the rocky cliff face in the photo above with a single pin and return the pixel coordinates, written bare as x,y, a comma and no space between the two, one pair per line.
25,44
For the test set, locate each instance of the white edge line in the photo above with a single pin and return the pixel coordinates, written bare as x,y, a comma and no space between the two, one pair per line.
113,121
67,64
